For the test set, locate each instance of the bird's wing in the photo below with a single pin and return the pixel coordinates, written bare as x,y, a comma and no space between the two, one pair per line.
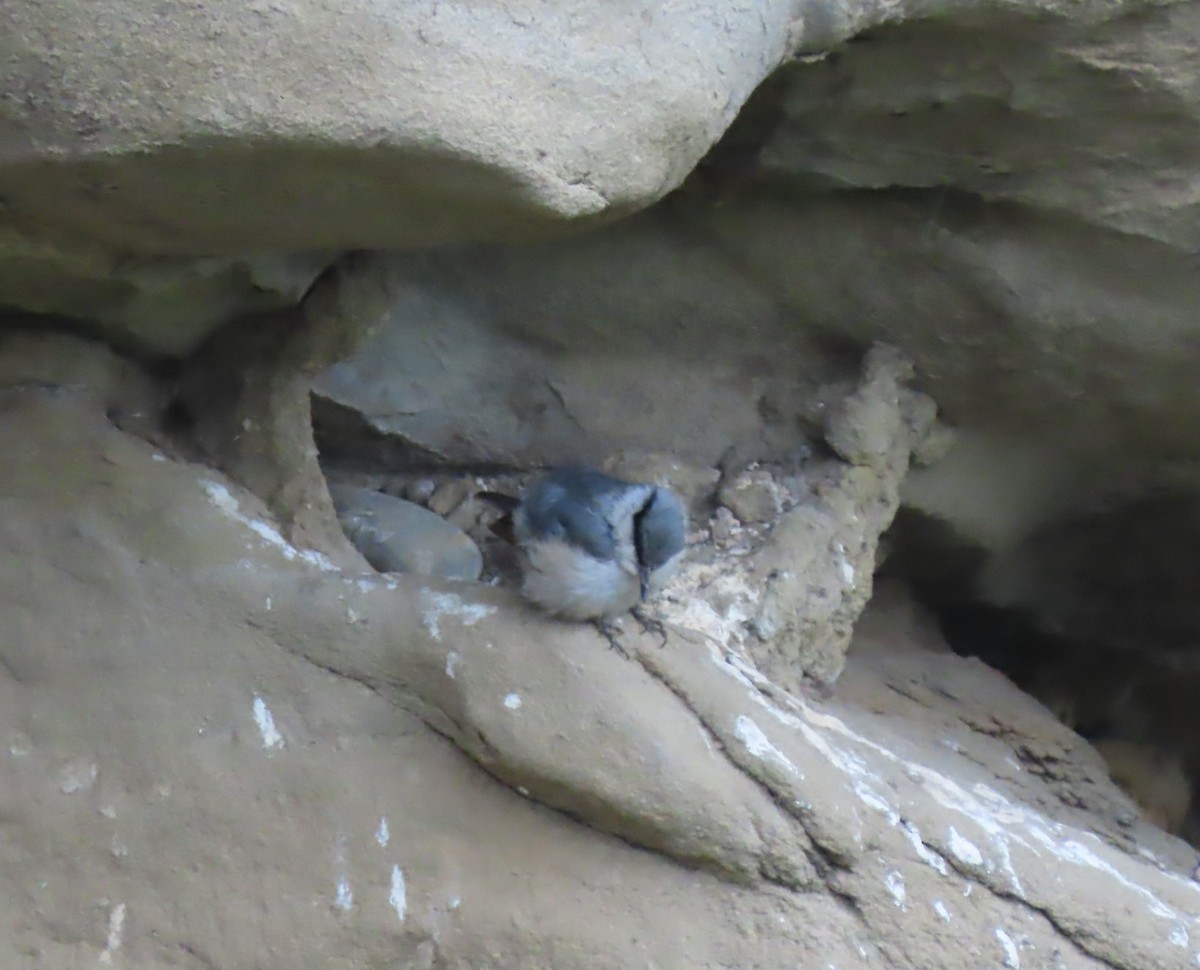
552,512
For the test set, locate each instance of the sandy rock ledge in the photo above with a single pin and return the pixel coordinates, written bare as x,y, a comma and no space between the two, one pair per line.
262,746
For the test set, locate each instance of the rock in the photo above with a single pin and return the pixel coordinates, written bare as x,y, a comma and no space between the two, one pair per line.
419,490
122,389
789,594
694,485
933,438
754,496
397,536
968,189
1152,777
475,365
247,396
158,224
864,425
723,528
449,495
156,305
398,145
342,701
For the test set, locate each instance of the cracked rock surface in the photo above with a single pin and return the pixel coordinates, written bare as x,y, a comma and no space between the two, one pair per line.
357,769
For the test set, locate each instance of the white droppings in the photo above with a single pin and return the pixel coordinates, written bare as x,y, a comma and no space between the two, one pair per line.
271,738
108,811
455,902
1012,956
895,885
267,603
436,605
220,496
77,777
382,836
872,799
344,898
116,930
398,895
453,658
512,701
1076,852
924,853
759,745
1178,936
964,849
843,564
523,791
158,456
1004,823
940,908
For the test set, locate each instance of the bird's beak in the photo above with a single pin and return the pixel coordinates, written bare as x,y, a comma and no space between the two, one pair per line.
644,582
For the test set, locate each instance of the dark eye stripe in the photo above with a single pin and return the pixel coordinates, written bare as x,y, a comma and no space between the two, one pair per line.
639,518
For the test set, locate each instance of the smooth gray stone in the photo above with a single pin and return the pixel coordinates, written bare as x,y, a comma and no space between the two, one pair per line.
396,536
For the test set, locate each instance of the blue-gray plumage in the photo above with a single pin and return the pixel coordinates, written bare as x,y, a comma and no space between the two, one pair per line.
594,546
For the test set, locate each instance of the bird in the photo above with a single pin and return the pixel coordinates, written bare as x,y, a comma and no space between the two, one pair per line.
593,546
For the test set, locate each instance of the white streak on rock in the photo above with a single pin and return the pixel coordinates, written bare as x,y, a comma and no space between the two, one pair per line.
398,895
344,899
1012,957
964,849
940,908
513,702
271,738
77,778
1004,823
435,605
924,853
220,496
452,660
759,745
382,836
895,885
116,930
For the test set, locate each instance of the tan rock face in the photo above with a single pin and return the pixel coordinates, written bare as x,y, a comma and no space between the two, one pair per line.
228,743
305,125
222,737
165,167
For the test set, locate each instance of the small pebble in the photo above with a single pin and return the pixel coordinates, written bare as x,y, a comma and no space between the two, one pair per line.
753,496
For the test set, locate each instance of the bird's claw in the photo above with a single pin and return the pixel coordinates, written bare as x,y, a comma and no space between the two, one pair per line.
650,624
611,631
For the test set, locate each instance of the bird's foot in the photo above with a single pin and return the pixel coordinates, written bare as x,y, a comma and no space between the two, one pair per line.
650,624
611,630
